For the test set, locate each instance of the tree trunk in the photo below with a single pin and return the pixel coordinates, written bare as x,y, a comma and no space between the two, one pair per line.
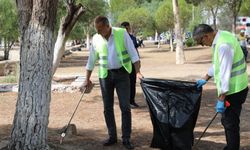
88,40
6,54
66,25
214,14
6,50
156,36
234,25
59,49
7,47
180,58
171,42
234,6
30,124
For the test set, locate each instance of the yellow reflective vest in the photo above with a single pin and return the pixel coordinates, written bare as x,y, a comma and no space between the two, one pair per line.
102,52
239,78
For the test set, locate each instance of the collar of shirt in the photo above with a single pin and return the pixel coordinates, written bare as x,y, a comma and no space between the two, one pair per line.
111,35
215,39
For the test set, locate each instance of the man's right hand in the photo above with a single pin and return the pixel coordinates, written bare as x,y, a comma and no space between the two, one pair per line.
88,85
200,83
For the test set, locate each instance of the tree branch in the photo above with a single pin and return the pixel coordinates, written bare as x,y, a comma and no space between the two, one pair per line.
73,13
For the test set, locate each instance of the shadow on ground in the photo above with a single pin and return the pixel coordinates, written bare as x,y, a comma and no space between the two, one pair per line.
73,61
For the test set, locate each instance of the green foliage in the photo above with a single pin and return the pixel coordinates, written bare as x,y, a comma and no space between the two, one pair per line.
197,18
8,20
8,79
185,13
85,22
139,19
77,32
146,2
61,11
154,15
139,2
121,5
194,2
150,6
117,7
245,8
190,42
164,17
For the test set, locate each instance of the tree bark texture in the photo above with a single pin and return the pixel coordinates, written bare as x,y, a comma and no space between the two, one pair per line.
30,124
66,25
180,58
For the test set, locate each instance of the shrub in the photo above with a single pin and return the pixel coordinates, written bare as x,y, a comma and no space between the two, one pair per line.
190,42
9,79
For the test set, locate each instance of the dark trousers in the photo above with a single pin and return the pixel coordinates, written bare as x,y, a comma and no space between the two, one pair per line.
117,79
231,119
132,77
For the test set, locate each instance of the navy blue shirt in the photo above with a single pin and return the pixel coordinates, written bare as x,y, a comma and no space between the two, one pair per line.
133,38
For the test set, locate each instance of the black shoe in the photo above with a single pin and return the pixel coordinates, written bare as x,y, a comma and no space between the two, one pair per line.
127,144
110,141
134,105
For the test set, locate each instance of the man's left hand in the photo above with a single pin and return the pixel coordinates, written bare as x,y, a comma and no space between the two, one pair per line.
220,106
139,75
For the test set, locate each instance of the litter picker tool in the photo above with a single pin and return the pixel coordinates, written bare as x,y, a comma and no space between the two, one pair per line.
205,131
227,104
65,130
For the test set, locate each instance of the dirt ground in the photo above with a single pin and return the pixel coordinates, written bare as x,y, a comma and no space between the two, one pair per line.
89,119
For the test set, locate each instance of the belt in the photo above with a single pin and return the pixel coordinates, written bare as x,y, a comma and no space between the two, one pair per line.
117,70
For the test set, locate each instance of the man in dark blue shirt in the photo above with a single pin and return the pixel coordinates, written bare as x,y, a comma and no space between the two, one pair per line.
132,75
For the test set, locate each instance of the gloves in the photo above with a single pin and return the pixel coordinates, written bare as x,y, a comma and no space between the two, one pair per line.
220,106
200,83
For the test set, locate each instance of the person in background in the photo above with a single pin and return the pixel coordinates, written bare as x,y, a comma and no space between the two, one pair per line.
229,72
243,43
115,51
132,75
140,42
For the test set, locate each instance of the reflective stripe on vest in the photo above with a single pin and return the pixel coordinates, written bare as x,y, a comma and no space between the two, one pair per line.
238,79
241,71
102,52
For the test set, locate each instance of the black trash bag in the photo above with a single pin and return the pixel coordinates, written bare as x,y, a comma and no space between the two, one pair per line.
174,107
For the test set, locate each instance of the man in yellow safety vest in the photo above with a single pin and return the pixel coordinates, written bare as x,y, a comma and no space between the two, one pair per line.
229,72
114,50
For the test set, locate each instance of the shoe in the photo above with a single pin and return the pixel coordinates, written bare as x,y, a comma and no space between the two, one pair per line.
109,142
134,105
127,144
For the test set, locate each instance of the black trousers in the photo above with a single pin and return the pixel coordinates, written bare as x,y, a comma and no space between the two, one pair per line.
231,119
132,77
117,79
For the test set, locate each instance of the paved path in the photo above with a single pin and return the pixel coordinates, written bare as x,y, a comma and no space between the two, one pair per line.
57,87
